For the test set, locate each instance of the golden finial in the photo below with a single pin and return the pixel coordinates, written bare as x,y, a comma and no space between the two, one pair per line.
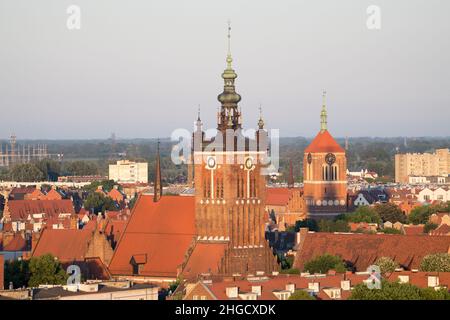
229,58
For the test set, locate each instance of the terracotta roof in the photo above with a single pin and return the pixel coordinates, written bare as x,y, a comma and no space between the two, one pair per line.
53,195
278,196
442,230
413,230
67,244
205,258
361,250
162,230
324,142
116,195
20,209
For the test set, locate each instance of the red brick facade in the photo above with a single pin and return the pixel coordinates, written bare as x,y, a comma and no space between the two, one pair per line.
325,182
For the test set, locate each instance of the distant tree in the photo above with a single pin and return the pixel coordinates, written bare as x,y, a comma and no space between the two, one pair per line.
107,185
363,214
97,202
390,212
390,231
80,168
429,226
396,291
17,272
27,172
311,224
438,262
422,214
51,169
301,295
333,226
386,264
324,263
46,270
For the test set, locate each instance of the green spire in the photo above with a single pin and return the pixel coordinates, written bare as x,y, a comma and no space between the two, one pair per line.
323,114
229,58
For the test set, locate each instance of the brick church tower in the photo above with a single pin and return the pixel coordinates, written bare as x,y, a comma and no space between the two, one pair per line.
230,189
324,173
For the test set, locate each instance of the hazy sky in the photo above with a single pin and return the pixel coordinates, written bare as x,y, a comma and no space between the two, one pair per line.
140,68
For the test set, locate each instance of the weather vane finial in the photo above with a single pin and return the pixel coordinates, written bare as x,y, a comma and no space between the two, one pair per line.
323,114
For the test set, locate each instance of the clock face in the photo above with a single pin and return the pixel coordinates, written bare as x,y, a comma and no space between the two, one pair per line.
330,158
309,158
211,162
248,163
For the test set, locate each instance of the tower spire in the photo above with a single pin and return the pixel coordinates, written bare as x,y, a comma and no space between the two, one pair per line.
261,120
229,58
229,99
323,114
157,194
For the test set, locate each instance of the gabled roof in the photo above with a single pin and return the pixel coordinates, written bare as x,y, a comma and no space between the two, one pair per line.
206,258
278,196
324,142
362,250
162,230
66,244
20,209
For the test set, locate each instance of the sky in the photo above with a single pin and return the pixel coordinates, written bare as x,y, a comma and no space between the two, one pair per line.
140,68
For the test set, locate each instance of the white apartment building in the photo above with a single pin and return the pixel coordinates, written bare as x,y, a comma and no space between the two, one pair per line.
125,171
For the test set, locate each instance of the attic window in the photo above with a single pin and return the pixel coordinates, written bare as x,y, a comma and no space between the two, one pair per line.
138,262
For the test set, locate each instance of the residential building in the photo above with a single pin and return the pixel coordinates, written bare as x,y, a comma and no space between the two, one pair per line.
422,164
125,171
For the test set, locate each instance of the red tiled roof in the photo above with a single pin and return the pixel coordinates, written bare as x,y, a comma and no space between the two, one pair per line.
162,230
53,195
205,258
442,230
324,142
20,209
413,230
278,196
67,244
361,250
116,195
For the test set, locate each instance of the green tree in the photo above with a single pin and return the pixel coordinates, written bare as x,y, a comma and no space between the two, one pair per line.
386,264
27,172
396,291
390,231
80,168
107,185
429,226
301,295
97,202
311,224
17,272
363,214
390,212
438,262
46,269
333,226
51,169
324,263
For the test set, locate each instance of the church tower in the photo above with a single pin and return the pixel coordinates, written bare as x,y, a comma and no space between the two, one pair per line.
229,186
324,173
